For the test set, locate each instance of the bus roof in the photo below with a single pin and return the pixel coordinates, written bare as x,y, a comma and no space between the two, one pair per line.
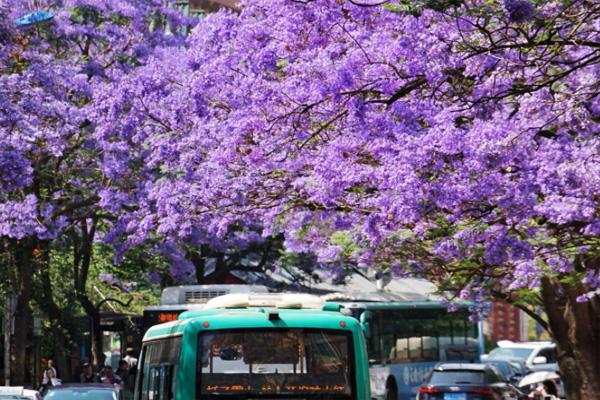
232,318
277,300
378,296
167,329
400,304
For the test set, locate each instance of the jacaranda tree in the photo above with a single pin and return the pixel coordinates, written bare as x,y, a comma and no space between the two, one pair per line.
456,140
55,57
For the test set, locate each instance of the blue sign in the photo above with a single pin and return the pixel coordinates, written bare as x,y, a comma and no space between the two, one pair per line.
34,18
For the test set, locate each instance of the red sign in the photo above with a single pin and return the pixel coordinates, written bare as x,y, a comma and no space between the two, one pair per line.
166,317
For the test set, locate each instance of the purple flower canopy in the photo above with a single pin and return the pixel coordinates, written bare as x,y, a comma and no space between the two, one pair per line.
396,140
365,135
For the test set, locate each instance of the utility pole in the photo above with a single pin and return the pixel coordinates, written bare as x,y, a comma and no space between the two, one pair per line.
10,305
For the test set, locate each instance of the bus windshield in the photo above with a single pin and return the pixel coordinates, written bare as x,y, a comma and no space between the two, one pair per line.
277,362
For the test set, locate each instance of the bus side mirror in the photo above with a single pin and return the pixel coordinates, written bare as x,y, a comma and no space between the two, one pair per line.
365,317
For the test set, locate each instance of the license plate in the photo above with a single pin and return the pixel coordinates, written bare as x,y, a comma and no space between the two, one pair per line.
455,396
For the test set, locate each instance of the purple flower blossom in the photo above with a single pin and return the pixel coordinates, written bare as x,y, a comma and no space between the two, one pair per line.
153,277
93,68
593,106
519,10
560,265
108,278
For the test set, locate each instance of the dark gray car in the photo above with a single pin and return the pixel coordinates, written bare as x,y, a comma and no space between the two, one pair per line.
449,381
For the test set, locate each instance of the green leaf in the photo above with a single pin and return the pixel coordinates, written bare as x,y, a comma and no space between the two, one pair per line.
405,8
442,6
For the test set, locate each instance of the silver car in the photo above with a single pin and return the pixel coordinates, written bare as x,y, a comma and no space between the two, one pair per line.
537,356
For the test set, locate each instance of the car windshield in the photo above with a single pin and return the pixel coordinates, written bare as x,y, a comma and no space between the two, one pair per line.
82,393
457,377
508,352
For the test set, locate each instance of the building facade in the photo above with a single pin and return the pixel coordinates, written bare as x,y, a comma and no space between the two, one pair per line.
506,322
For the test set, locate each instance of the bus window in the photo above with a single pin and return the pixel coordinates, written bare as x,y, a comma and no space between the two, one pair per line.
430,342
400,351
444,326
407,336
159,369
394,335
418,335
459,327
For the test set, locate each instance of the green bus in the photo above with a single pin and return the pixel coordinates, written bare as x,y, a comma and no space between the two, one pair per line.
256,346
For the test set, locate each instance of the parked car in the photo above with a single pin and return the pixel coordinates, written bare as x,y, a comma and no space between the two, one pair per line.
83,391
538,356
18,393
449,381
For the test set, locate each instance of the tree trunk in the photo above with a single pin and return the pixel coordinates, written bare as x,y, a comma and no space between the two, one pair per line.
199,260
82,255
95,331
575,327
53,312
22,317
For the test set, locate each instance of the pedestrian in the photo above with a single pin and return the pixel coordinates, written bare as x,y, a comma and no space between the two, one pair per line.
109,377
131,360
125,374
50,376
123,371
551,388
88,375
540,392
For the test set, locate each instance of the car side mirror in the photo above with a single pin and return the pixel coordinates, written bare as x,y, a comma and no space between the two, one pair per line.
540,360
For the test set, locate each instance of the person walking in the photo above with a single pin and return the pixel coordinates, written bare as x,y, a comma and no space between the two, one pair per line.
50,376
128,379
129,358
88,375
108,376
123,371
